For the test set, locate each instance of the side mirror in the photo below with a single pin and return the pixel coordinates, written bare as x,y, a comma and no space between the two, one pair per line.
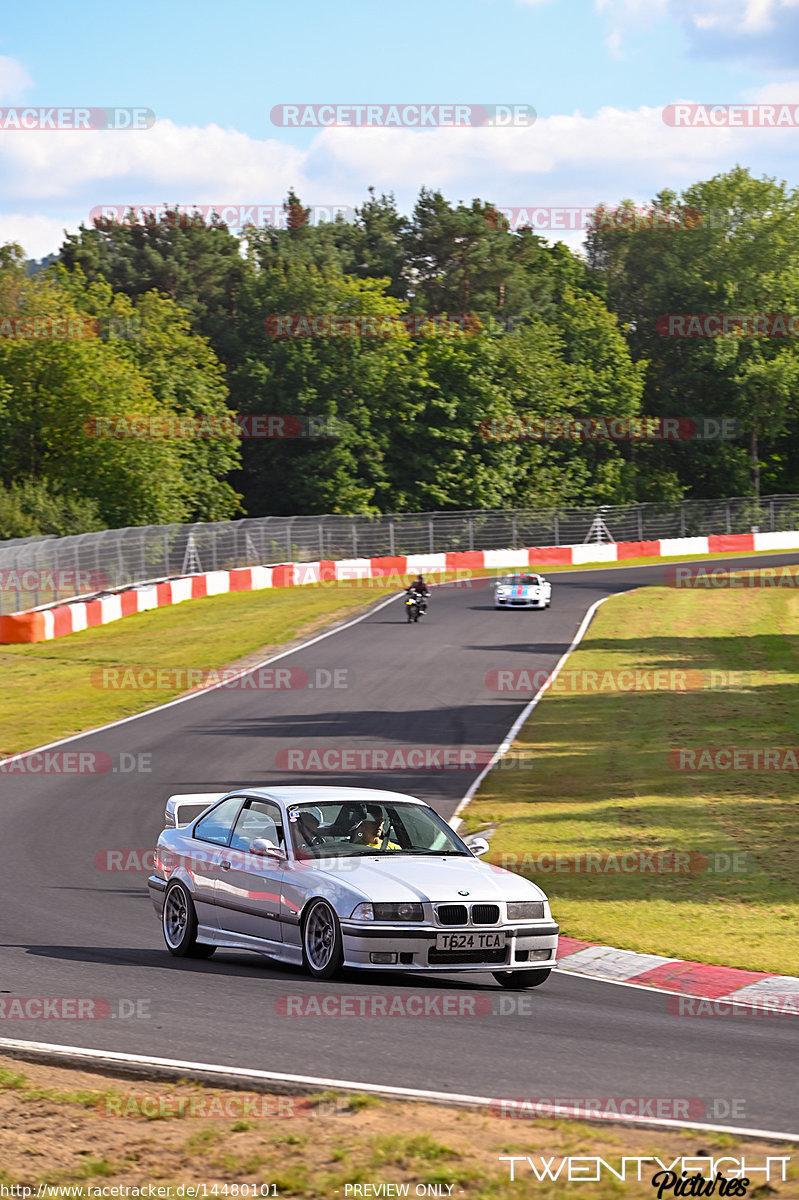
478,846
266,849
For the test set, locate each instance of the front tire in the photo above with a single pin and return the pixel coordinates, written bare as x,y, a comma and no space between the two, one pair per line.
522,979
179,925
322,947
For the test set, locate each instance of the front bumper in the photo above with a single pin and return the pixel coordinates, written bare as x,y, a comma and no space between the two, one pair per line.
415,949
526,602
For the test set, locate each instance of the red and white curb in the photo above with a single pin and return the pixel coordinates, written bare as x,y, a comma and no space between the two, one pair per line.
58,620
758,989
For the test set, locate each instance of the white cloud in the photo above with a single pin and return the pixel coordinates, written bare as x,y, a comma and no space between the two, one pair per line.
763,30
38,236
14,79
53,180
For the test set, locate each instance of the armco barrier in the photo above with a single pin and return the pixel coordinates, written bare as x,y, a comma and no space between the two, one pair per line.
42,624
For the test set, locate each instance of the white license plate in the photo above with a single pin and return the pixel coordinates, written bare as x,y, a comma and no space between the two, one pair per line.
470,941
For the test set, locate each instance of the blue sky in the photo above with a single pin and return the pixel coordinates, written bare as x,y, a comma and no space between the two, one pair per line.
598,72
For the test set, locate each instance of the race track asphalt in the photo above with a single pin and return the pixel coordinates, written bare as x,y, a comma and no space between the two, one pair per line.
71,929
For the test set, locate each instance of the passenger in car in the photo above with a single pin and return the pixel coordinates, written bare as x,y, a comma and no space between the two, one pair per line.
370,832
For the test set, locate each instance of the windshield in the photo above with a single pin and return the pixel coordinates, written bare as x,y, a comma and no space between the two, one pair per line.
353,828
518,580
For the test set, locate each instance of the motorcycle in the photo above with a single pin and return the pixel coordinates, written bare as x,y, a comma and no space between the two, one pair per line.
415,605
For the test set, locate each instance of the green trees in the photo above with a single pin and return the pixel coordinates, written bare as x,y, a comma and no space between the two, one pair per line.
741,259
179,319
63,365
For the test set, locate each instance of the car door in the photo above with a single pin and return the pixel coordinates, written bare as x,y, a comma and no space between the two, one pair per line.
205,849
248,886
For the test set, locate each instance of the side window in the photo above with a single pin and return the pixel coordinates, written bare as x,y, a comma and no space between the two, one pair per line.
216,826
258,819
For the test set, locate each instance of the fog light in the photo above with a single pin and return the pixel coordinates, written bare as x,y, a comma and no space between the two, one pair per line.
539,954
382,959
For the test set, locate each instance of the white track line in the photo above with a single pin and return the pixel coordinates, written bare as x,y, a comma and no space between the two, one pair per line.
510,738
139,1064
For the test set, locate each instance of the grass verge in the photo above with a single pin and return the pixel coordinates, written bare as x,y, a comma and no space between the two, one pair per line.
49,690
608,780
65,1127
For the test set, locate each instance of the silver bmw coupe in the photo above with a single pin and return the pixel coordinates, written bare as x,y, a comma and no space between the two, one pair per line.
332,877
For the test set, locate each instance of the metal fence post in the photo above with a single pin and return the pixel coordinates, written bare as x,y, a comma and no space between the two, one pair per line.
471,533
557,530
729,526
682,519
391,538
430,527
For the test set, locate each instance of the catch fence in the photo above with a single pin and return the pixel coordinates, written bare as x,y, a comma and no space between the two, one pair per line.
39,571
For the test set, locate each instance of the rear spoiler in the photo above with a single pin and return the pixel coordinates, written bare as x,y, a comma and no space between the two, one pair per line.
183,809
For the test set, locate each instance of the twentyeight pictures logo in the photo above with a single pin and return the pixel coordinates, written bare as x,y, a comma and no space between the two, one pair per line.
402,116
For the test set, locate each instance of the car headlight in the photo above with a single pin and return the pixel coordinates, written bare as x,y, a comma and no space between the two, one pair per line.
403,911
502,591
525,910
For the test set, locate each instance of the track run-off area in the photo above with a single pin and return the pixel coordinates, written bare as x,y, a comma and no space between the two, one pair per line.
72,928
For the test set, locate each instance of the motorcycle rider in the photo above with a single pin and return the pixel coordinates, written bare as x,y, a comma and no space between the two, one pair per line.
422,591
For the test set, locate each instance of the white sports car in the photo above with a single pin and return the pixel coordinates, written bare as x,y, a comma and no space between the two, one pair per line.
333,877
523,591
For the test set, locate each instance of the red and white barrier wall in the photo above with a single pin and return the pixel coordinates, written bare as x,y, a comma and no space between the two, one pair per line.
42,624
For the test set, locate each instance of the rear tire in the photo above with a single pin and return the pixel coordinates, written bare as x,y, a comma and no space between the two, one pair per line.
179,925
522,979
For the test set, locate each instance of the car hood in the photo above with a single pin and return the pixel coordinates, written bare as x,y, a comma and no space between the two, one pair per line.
386,879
